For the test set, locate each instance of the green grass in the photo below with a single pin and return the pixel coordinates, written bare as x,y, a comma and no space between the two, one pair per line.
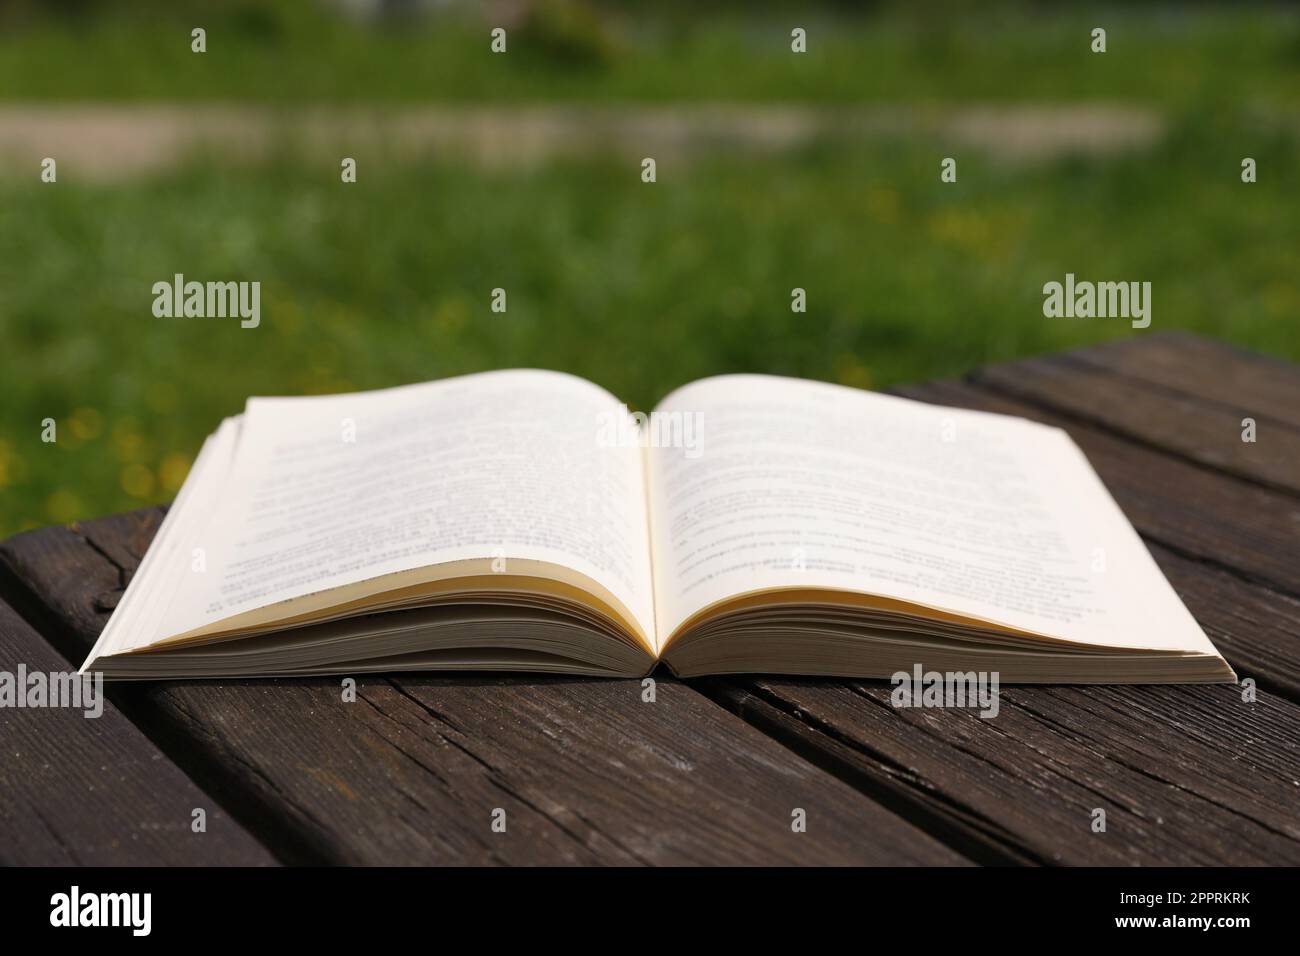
1202,57
638,287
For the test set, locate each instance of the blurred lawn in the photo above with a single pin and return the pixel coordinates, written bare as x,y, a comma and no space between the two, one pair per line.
1196,56
637,287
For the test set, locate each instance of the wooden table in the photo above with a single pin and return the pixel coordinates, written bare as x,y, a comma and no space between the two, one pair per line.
710,773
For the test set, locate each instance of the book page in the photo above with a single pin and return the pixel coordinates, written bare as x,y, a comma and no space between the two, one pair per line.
322,492
807,485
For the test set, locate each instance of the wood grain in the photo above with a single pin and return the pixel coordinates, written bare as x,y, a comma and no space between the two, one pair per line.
81,790
1180,423
1208,370
588,773
1186,774
413,770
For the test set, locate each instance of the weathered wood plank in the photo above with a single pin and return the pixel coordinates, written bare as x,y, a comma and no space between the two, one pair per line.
412,771
1167,764
94,790
1175,422
1186,775
1208,370
1199,775
1256,629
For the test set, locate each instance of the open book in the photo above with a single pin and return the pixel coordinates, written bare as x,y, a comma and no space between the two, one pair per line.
525,521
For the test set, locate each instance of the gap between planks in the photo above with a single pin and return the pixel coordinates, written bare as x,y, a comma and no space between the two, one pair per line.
766,702
981,837
680,781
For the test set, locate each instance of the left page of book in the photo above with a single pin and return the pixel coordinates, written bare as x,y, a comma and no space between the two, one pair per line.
299,499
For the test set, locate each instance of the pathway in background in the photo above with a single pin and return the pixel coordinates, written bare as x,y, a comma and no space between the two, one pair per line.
97,142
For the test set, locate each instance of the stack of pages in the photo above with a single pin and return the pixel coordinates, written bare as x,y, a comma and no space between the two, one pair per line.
522,521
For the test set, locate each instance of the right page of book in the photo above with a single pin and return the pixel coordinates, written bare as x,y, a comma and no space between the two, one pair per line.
799,484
